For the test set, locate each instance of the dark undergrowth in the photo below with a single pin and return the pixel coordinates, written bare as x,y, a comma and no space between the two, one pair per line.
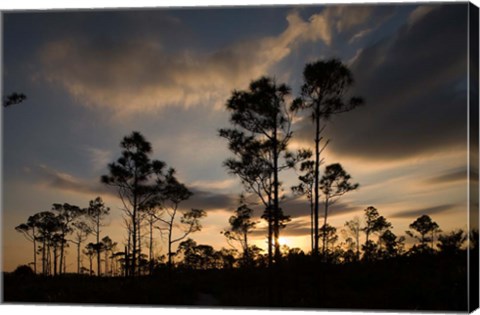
420,283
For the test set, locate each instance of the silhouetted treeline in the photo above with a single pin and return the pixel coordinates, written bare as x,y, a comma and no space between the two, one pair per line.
51,232
420,282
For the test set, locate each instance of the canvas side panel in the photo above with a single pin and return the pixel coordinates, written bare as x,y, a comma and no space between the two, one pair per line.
474,156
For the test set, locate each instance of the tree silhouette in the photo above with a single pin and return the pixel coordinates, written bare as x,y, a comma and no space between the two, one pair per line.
198,256
81,232
452,242
13,99
28,230
241,225
353,229
424,225
323,92
48,225
97,212
334,184
391,246
374,223
187,248
108,247
23,271
67,215
90,251
227,257
169,197
152,217
305,187
253,167
136,179
57,241
329,236
263,133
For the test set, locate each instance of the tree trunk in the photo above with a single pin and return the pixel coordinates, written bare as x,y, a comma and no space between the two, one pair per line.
91,262
106,261
139,245
276,207
78,257
324,246
44,263
150,249
126,259
55,260
270,230
34,251
170,228
245,250
317,174
357,238
61,251
49,260
113,268
98,246
134,233
312,242
433,238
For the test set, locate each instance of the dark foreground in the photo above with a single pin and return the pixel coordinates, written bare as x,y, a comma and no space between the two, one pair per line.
425,283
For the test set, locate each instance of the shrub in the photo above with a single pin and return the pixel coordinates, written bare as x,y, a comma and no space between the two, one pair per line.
23,271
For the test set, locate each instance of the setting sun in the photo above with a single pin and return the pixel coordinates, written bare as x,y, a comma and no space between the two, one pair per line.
283,241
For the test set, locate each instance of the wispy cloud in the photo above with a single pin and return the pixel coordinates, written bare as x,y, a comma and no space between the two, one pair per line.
452,175
418,212
45,176
214,184
419,13
210,201
99,158
360,35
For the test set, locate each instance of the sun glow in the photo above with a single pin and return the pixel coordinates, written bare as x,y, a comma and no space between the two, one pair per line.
283,241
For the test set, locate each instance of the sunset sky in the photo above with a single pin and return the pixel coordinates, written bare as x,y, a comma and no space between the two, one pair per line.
92,77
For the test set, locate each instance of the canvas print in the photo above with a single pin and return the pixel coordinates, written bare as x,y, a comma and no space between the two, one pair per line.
318,156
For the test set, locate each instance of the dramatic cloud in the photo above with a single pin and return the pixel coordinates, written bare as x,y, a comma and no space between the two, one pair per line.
141,75
415,91
130,74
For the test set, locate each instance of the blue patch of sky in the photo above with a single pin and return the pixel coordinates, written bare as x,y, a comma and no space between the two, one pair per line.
217,28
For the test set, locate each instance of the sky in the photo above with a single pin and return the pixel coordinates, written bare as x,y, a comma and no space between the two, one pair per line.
92,77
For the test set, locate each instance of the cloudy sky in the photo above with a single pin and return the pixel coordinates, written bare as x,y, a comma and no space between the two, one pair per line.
92,77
